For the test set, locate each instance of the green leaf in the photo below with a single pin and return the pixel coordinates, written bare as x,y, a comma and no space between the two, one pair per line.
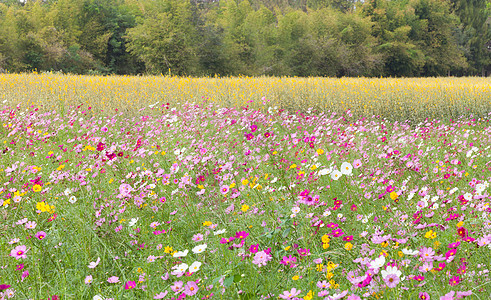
228,281
286,232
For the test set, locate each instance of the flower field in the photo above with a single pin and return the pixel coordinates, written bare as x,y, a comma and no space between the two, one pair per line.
211,199
397,99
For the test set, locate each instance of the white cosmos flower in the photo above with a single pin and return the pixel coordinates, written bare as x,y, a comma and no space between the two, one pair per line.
97,297
324,172
346,168
181,253
194,267
326,213
180,268
67,192
133,221
391,270
410,252
453,190
335,175
72,199
295,210
378,262
219,231
199,248
410,196
480,187
468,196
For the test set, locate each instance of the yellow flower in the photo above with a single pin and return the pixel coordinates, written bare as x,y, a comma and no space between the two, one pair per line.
6,202
430,234
313,167
460,224
393,195
245,182
288,248
325,238
295,277
293,166
319,267
232,185
168,249
320,151
245,207
111,180
348,246
329,275
60,167
385,244
325,245
436,244
309,296
207,223
400,253
36,188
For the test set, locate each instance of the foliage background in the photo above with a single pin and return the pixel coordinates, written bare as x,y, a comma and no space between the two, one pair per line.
257,37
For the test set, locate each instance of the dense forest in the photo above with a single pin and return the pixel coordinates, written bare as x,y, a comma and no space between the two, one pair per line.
247,37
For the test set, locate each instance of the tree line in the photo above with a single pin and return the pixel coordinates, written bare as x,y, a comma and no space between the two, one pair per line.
247,37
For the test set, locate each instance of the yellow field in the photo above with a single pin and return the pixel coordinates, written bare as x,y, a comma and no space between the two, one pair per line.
400,99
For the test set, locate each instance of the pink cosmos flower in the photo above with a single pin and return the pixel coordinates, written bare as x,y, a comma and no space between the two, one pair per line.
191,288
290,294
176,286
41,235
161,295
19,252
261,258
113,279
392,280
224,189
357,163
31,225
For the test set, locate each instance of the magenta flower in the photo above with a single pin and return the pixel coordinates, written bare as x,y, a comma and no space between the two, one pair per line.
130,285
337,232
289,261
454,245
254,248
253,128
41,235
424,296
4,286
451,252
191,288
241,234
19,252
454,280
303,252
226,240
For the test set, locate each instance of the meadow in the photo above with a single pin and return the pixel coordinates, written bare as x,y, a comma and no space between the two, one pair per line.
173,188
